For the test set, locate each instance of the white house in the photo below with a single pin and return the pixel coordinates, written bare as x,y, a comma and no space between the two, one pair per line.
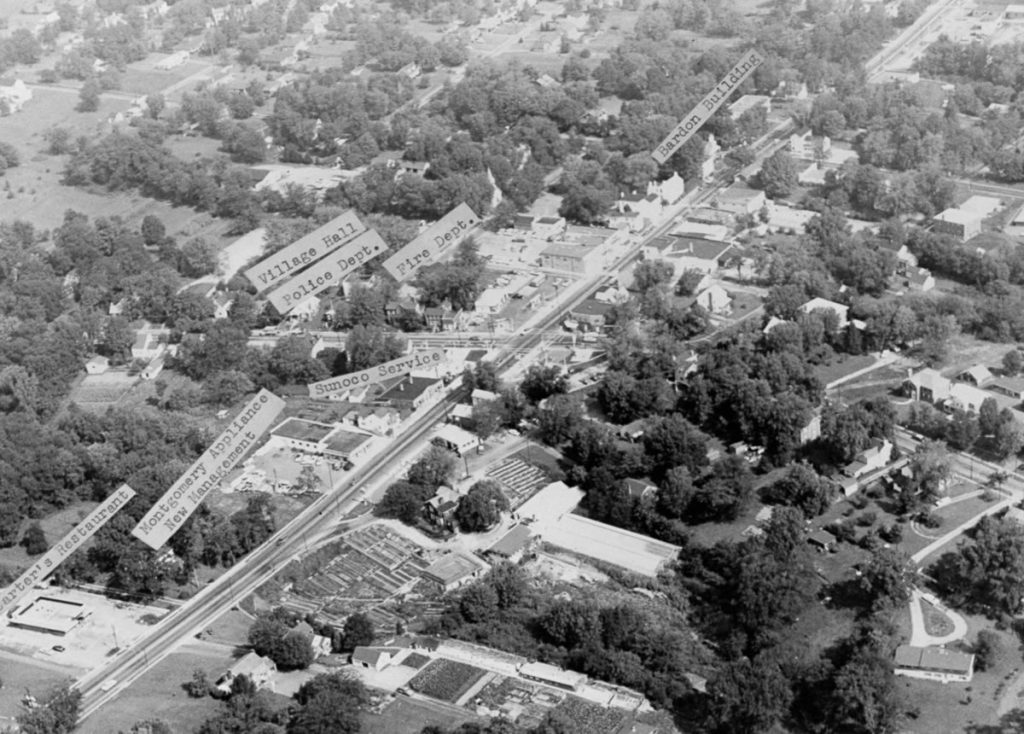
934,663
715,299
838,309
14,97
928,385
670,190
97,365
256,668
375,658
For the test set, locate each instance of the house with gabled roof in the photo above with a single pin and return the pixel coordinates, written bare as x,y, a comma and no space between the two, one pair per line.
977,375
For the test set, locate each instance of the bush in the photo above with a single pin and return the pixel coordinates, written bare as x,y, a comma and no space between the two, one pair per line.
929,520
867,519
892,533
844,531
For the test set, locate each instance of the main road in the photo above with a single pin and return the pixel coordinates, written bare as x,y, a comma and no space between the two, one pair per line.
103,684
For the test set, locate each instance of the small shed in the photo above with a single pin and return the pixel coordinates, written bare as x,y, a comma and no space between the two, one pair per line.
822,540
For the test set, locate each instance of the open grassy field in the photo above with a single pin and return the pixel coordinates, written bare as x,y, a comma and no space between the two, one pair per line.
55,526
158,695
20,675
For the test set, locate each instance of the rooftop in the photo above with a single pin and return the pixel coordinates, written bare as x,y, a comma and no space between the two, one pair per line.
512,542
958,216
299,429
682,246
591,307
933,658
452,568
250,663
344,441
410,388
567,249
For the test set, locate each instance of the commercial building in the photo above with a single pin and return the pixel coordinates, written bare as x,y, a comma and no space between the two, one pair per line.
457,440
454,570
322,439
612,545
412,392
687,253
512,545
373,658
958,223
568,680
567,257
934,663
51,615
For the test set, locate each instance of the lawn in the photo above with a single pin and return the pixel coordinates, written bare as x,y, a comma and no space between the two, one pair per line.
829,373
445,679
230,628
55,527
952,516
954,707
158,695
21,675
409,716
936,622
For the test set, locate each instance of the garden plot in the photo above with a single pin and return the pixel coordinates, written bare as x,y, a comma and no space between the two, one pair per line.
446,680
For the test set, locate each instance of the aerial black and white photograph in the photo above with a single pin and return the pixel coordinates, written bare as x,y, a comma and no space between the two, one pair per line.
511,367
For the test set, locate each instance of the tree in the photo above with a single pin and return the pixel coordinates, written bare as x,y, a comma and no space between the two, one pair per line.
153,230
1009,436
34,540
865,697
931,467
748,696
803,488
308,481
559,418
778,175
290,360
1013,362
887,579
199,685
368,346
988,650
434,468
54,713
487,418
89,96
357,632
988,416
155,104
272,637
963,430
672,441
481,507
987,574
543,381
403,501
332,711
197,257
478,603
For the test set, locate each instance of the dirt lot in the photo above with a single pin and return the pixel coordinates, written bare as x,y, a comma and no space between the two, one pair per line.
158,695
408,716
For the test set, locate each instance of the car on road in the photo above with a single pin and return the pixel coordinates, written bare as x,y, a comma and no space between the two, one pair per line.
58,648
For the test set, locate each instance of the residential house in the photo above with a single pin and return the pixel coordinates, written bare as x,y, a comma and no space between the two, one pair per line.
915,280
1011,387
687,253
483,397
958,223
823,540
824,304
632,431
870,459
512,545
612,294
636,209
639,488
97,365
934,663
591,312
412,392
978,375
928,385
454,570
670,190
806,145
749,102
399,309
715,299
440,509
147,345
966,397
373,658
380,420
256,668
14,97
813,175
441,318
709,158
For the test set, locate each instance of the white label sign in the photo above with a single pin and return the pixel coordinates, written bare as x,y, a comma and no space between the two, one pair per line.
183,498
394,368
328,272
707,107
443,234
305,251
67,545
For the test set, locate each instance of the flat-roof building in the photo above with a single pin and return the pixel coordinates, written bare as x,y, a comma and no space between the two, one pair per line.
51,615
568,680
